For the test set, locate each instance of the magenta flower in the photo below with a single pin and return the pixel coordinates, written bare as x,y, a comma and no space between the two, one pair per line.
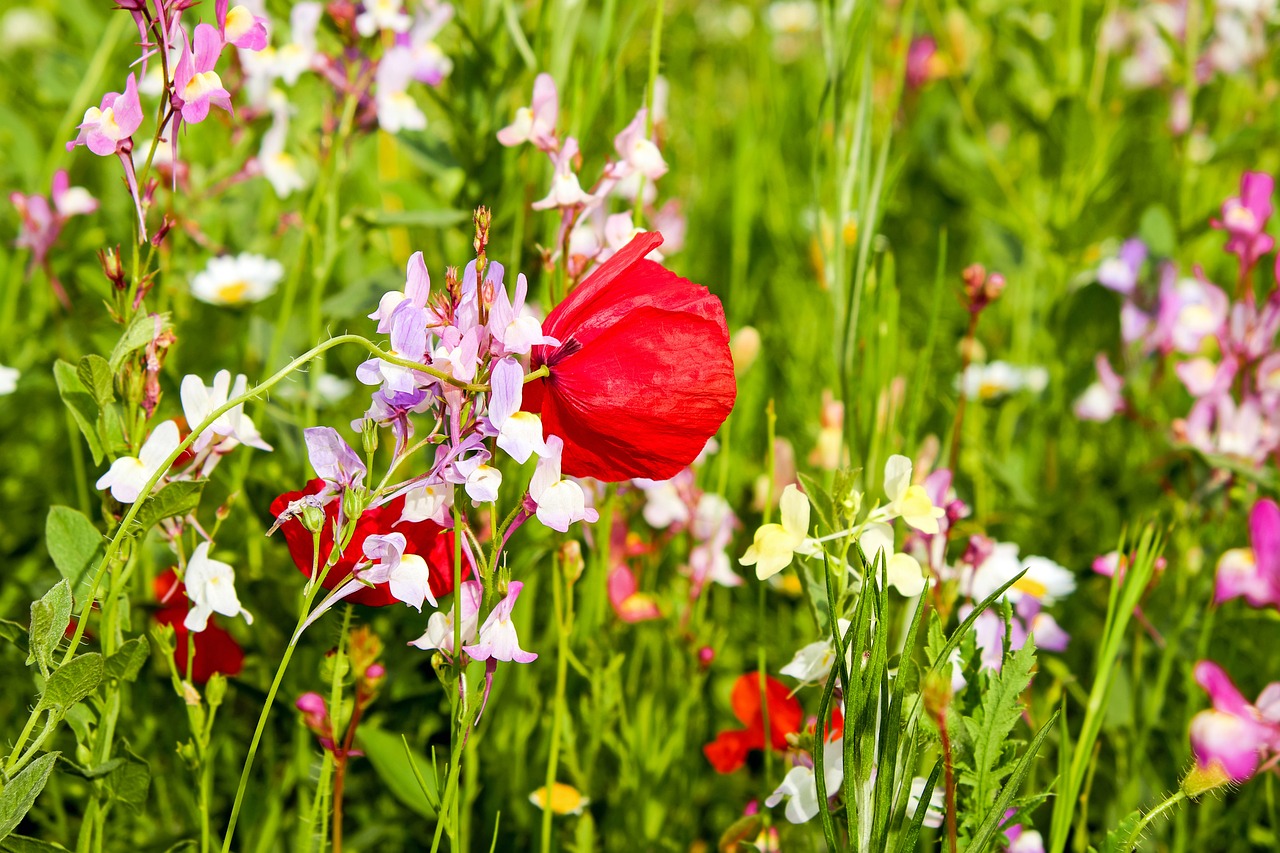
498,638
240,27
196,85
42,221
921,61
1191,309
1254,573
107,127
1245,217
1233,736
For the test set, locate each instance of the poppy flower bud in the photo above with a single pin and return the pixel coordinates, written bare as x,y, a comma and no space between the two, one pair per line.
642,377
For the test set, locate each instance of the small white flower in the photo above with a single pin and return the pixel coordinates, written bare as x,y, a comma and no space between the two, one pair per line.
483,484
800,786
237,280
383,15
812,663
211,586
934,813
234,426
129,474
8,380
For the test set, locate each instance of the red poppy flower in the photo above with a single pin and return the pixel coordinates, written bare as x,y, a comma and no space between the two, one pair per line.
642,377
427,539
729,750
215,650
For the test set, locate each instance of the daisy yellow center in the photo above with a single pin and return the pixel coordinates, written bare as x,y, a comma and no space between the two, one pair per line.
233,291
988,389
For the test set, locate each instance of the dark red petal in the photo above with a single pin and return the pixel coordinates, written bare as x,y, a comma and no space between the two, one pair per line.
643,398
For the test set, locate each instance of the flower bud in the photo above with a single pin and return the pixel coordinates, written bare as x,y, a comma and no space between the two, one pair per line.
936,692
706,655
369,436
353,503
1200,780
571,559
312,517
215,690
112,268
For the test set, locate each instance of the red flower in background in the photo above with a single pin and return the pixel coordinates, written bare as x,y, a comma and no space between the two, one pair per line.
215,650
427,539
729,750
642,377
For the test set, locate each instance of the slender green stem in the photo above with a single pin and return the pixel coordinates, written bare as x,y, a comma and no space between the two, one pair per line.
562,610
266,712
1136,835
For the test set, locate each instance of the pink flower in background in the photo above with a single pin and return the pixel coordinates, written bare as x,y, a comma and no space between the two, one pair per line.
397,110
1254,573
1245,217
566,191
240,27
535,123
43,219
1234,735
1121,272
107,127
1191,309
1104,399
628,602
922,62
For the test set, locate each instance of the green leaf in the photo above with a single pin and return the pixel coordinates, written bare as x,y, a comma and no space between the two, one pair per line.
386,752
1117,840
141,330
98,379
96,772
990,727
127,661
742,831
20,794
995,818
74,544
49,619
177,498
820,499
81,404
128,784
73,681
23,844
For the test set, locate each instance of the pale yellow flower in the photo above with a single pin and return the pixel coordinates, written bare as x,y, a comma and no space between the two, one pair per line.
775,545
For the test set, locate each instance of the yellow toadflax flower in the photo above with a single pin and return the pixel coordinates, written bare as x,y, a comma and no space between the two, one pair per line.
776,544
565,799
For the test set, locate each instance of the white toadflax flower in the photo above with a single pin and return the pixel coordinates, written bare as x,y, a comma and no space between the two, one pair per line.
211,586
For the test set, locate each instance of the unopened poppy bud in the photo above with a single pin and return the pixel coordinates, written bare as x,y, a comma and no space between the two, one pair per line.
744,346
571,559
216,689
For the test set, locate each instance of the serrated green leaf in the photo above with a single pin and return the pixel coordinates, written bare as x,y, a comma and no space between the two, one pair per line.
20,794
74,544
140,332
127,661
995,817
97,378
999,712
49,619
1117,840
81,405
128,783
386,753
177,498
73,681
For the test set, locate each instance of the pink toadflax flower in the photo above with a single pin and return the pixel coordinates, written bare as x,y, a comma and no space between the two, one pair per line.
107,127
1233,736
1254,573
196,86
240,27
498,640
535,123
1244,218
